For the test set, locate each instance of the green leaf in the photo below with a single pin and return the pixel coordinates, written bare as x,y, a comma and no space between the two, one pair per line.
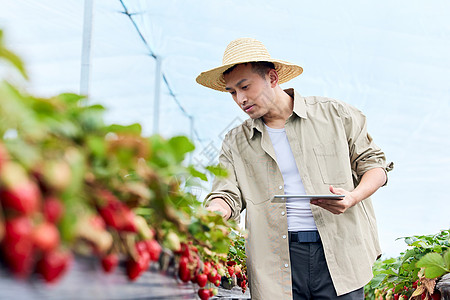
143,211
134,129
217,171
410,240
91,118
71,98
377,279
412,268
180,145
221,246
399,287
388,272
14,60
195,228
434,265
420,244
437,249
409,253
389,261
392,279
24,152
197,174
65,128
97,146
447,259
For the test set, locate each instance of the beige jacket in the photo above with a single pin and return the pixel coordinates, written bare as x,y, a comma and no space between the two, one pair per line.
331,145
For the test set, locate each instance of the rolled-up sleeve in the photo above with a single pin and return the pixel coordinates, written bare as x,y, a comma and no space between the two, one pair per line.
364,153
227,188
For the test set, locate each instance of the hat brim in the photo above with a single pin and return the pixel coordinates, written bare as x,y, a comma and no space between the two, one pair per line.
214,78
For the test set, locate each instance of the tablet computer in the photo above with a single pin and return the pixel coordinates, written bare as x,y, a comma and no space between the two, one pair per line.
282,198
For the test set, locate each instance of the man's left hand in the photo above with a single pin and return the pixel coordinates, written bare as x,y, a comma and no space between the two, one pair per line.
337,207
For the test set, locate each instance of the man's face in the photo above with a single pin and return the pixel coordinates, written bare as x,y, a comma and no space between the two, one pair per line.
250,91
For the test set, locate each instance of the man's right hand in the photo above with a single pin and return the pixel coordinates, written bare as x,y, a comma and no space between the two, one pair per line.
220,206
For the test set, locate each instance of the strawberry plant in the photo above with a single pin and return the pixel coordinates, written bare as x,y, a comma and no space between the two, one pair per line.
415,272
72,185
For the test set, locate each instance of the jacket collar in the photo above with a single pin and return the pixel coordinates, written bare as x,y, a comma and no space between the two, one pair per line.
299,110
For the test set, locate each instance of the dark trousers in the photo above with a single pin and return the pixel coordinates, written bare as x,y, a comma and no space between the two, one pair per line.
310,276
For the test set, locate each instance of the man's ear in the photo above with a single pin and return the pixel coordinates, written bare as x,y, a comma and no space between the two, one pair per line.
273,78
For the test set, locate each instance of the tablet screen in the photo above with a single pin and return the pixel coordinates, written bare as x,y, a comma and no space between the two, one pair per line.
283,198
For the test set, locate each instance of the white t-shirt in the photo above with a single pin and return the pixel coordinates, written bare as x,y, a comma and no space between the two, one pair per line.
299,215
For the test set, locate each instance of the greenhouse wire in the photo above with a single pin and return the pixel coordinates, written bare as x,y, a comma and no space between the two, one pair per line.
152,54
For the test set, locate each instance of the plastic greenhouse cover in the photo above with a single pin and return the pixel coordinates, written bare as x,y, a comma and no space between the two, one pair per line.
388,58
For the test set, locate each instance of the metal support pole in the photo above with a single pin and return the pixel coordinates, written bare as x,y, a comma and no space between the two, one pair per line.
191,123
157,95
86,47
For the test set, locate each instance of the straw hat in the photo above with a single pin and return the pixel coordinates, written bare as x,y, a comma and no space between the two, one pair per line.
246,50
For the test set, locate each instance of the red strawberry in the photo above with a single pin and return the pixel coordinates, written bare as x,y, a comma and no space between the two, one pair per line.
243,284
154,249
18,229
23,197
396,296
53,209
46,236
206,267
436,295
237,270
97,222
202,279
17,246
116,214
185,251
141,247
195,263
230,270
204,294
136,268
183,270
194,278
54,264
2,225
212,275
217,280
110,262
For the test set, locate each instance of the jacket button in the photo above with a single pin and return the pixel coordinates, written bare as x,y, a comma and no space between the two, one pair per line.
284,236
286,265
280,187
283,213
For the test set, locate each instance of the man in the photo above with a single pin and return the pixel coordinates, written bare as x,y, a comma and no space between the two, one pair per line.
294,145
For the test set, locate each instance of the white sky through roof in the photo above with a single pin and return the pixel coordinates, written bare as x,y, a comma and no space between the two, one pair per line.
390,59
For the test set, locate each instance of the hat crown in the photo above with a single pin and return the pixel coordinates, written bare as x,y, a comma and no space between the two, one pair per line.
244,50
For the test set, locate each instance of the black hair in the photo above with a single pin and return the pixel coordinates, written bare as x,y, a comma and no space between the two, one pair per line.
259,67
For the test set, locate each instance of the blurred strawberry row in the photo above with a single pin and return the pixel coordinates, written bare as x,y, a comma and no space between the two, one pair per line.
29,237
72,185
